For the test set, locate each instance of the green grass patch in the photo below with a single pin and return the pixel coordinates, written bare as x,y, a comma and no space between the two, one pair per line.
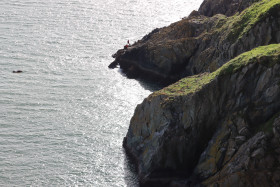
194,83
270,52
236,26
187,85
240,24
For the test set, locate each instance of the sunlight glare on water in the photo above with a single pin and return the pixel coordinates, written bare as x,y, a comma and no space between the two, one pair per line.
62,120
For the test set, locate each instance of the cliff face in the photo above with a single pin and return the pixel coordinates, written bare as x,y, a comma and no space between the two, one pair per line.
226,7
220,124
202,44
214,128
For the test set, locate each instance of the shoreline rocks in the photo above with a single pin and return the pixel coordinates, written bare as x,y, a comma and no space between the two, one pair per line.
196,127
218,125
199,43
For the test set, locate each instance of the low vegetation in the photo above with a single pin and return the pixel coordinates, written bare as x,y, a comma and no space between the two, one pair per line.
240,24
194,83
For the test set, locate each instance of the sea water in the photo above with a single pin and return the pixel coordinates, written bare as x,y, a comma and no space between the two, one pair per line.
63,119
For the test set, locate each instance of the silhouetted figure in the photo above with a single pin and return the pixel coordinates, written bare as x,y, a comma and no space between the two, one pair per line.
127,45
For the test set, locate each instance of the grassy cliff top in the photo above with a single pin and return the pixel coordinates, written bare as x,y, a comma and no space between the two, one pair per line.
194,83
240,24
231,28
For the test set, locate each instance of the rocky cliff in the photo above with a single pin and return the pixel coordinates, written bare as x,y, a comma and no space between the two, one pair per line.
219,128
201,43
226,7
219,124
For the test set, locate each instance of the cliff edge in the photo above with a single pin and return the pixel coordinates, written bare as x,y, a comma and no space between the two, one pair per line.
218,123
201,43
213,128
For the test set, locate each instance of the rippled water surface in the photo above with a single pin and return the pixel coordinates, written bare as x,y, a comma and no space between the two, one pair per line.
63,119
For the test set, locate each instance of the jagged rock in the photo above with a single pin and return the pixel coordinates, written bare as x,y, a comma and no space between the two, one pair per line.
244,132
226,7
193,127
220,127
259,153
276,128
202,44
240,140
255,163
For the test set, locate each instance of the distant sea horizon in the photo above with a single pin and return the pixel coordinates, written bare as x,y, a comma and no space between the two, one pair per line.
63,118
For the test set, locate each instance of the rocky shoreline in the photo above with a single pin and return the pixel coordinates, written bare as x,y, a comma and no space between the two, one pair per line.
181,49
219,124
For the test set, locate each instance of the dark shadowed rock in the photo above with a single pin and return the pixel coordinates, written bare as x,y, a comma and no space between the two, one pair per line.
199,43
211,126
220,126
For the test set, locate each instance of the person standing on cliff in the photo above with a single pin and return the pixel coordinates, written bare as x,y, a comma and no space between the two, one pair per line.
127,45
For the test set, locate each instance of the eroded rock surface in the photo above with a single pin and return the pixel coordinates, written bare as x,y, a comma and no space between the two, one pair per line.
226,7
213,128
202,44
220,126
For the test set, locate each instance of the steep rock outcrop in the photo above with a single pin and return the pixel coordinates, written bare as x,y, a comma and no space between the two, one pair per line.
226,7
252,161
201,44
210,127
